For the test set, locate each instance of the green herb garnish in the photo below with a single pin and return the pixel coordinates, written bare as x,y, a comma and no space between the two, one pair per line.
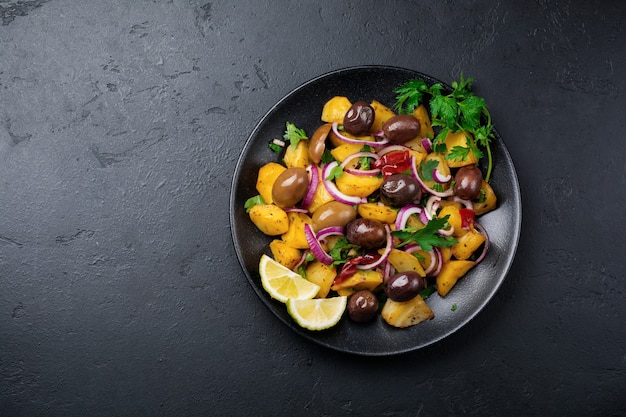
293,135
426,237
253,201
460,110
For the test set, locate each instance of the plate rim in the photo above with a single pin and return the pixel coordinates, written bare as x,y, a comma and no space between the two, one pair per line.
509,256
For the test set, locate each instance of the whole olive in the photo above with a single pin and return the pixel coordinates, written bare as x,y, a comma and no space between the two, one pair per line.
290,187
359,118
398,190
317,143
362,306
401,128
467,182
366,233
331,214
403,286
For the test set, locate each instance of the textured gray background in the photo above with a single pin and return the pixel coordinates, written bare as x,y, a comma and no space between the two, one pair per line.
121,123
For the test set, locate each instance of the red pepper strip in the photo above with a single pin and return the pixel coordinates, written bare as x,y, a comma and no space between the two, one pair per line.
393,162
349,268
468,216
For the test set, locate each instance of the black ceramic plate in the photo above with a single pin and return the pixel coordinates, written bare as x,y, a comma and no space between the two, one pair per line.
303,108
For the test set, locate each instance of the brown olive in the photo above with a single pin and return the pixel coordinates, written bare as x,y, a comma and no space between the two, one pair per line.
366,233
290,187
317,143
331,214
401,128
467,182
403,286
398,190
362,306
359,118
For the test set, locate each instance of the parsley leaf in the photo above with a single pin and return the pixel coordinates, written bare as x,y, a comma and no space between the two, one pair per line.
253,201
426,237
427,292
334,173
293,135
426,169
458,153
339,252
327,157
409,95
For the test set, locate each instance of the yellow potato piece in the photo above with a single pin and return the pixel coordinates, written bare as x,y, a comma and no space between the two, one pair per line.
459,139
454,219
297,157
335,109
405,262
378,212
426,128
266,178
406,313
467,244
295,237
381,114
361,280
344,150
358,186
322,275
450,273
321,196
490,200
285,254
270,219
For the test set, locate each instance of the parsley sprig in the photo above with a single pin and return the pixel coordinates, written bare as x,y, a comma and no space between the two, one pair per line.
459,110
427,236
293,134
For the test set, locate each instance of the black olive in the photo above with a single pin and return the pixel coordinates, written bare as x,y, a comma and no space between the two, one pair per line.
362,306
359,118
404,286
467,182
401,128
398,190
366,233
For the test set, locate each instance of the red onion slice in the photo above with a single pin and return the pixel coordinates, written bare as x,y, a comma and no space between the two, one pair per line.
427,144
346,139
432,204
314,180
295,210
466,203
360,172
329,231
334,191
446,232
439,178
384,256
300,261
439,263
415,174
483,232
433,257
404,214
315,246
392,148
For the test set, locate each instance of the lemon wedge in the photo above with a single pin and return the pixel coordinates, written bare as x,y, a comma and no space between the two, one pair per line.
318,313
282,283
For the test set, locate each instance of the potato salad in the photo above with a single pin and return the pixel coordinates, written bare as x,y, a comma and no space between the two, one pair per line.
381,204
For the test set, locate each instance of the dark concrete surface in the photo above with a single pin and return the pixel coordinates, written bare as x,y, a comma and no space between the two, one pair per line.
120,126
